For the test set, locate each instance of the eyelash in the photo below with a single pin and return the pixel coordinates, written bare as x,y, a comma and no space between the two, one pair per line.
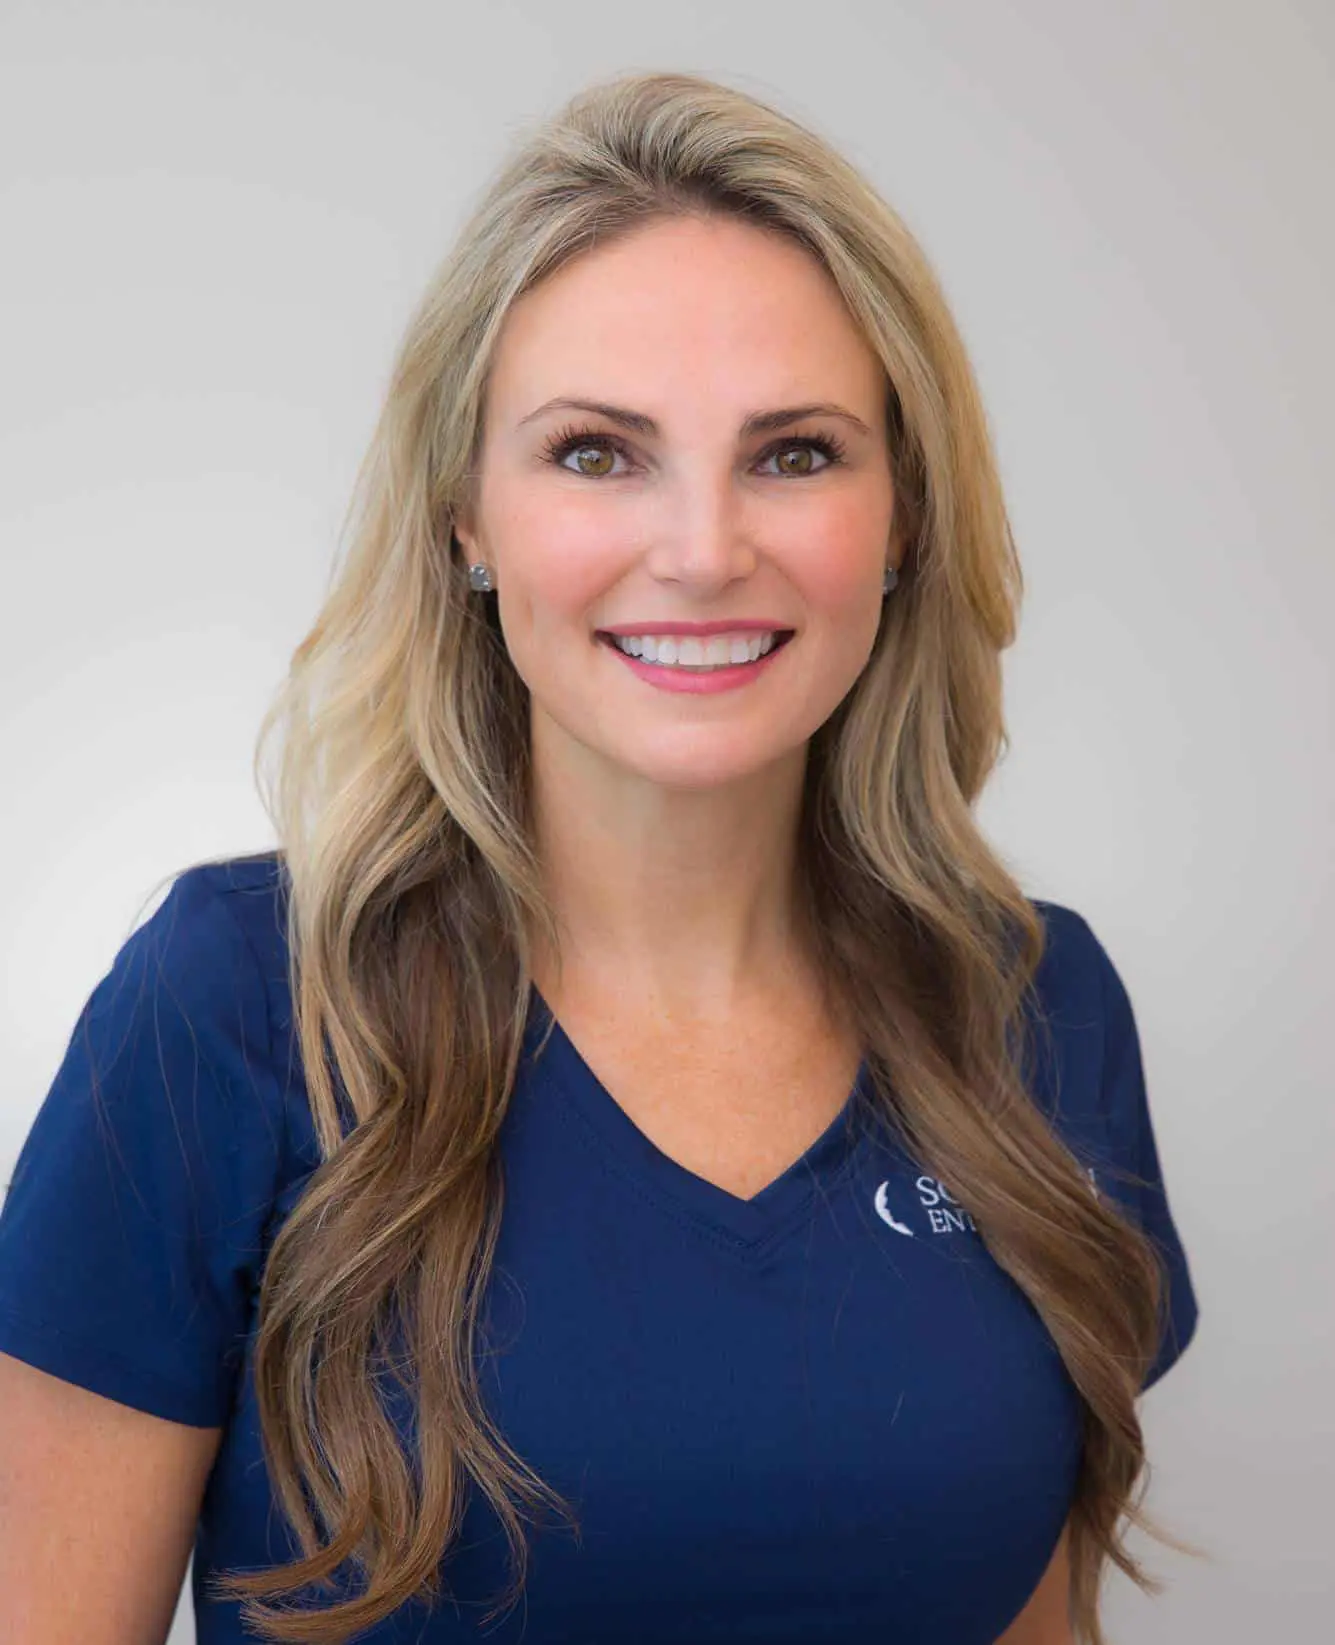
567,440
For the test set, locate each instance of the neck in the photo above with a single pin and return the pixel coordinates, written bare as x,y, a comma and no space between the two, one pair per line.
680,899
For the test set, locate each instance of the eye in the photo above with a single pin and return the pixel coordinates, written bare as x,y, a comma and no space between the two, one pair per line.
582,444
803,448
595,453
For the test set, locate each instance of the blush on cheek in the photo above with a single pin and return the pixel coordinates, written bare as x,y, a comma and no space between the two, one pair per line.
835,579
567,571
832,550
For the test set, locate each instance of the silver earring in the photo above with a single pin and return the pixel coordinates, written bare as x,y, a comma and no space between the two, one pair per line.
479,579
891,579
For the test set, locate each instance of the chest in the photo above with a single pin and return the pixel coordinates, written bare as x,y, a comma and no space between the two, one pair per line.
734,1106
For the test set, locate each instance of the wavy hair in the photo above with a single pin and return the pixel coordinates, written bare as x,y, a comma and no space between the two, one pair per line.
401,804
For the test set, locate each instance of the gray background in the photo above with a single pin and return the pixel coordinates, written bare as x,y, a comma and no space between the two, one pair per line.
215,220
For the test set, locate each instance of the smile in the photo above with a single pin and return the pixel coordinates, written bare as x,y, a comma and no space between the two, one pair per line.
697,651
698,663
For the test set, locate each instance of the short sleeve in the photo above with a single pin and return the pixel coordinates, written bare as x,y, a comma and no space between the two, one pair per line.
131,1233
1132,1174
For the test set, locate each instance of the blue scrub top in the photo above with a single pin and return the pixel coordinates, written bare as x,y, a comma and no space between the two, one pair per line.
823,1414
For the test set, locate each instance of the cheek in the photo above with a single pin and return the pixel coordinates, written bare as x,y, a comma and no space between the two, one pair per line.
556,563
834,554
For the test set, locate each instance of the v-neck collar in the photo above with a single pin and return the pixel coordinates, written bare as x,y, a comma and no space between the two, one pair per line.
744,1222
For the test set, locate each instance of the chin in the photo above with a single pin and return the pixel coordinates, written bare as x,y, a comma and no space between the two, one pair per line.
700,769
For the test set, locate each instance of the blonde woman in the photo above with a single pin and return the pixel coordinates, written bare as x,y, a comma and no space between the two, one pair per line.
633,1166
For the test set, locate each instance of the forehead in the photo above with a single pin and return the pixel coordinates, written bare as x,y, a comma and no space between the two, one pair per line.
686,309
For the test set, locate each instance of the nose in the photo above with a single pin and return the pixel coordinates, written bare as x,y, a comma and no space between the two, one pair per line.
701,543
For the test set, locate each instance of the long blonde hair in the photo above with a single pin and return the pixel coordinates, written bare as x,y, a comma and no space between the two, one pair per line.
401,806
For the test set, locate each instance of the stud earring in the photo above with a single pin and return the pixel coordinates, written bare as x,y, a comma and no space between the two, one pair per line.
479,579
891,579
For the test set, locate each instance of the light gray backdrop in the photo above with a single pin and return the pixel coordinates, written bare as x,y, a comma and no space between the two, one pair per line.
215,219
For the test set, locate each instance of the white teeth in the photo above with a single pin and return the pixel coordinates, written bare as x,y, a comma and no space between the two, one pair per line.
695,651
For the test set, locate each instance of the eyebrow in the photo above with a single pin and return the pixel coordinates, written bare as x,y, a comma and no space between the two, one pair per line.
759,422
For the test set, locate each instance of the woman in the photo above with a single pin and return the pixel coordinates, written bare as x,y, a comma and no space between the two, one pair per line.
634,1148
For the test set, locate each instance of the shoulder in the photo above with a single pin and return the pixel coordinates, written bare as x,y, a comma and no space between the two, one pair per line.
210,958
1083,1013
1077,984
212,966
224,908
1070,973
186,1040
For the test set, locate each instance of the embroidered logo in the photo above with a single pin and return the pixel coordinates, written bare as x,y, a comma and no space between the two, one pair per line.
945,1214
886,1214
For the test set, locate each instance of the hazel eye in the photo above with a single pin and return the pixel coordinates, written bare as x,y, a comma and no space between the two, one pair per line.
594,453
795,460
794,457
603,456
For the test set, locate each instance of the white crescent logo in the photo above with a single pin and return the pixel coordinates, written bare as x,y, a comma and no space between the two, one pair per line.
886,1215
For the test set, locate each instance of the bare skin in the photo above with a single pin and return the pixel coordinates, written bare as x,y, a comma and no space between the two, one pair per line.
666,821
649,800
98,1505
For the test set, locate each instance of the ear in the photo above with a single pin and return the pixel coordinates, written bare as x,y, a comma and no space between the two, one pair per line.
461,523
897,543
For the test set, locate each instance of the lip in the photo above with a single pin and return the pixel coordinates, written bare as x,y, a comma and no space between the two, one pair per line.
738,625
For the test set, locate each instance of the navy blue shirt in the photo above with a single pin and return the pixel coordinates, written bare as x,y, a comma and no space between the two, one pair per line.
823,1414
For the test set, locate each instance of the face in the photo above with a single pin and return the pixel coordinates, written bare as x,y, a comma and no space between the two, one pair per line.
697,496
